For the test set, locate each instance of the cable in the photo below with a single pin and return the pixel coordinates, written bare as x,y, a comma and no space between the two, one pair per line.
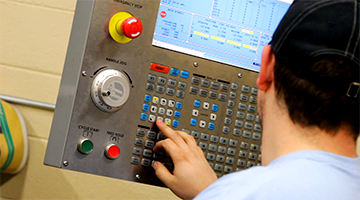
28,102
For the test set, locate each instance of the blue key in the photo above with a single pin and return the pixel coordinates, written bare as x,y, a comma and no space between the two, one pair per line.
197,103
174,72
146,107
144,116
211,126
179,105
177,114
193,122
184,74
147,98
215,107
175,123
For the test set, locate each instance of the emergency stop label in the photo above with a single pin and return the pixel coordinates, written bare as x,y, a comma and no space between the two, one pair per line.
129,3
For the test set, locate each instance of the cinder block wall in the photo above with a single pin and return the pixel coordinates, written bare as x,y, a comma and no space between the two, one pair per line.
34,36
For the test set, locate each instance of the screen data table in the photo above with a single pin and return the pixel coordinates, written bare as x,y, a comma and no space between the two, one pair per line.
228,31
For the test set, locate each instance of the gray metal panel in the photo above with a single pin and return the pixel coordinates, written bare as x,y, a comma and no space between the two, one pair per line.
69,80
76,117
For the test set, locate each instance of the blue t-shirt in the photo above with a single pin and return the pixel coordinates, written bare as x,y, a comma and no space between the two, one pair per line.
301,175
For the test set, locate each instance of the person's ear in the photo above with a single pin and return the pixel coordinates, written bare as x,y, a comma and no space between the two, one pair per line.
266,75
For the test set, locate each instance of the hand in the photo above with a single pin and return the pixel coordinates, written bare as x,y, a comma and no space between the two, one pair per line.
192,173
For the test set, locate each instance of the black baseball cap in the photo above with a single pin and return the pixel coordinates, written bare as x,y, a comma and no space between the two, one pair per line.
313,29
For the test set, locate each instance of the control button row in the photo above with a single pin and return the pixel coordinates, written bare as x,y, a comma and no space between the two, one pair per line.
202,124
229,151
171,82
161,111
86,146
225,88
195,113
163,101
250,108
147,154
206,105
244,134
166,69
139,141
168,91
213,85
146,162
227,169
152,118
242,163
241,115
240,124
204,93
222,140
247,89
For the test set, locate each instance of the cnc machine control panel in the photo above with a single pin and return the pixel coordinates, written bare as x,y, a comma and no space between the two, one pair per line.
192,64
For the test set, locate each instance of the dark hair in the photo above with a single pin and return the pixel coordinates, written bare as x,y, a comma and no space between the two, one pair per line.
310,105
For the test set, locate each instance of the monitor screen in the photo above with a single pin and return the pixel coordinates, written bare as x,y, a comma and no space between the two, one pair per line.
227,31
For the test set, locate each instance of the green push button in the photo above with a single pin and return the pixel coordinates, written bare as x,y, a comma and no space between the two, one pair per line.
85,146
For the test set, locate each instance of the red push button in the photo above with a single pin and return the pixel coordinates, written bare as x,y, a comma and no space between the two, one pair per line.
132,27
159,68
112,151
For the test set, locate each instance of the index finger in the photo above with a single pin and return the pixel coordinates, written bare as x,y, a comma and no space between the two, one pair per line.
170,133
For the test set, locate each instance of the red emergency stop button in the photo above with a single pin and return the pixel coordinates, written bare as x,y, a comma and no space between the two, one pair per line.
132,27
112,151
124,27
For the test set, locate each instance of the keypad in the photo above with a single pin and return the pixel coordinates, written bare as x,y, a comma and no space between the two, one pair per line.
184,74
215,86
234,86
205,83
203,92
195,134
172,83
222,116
214,138
194,90
151,78
195,81
210,156
213,95
204,136
174,72
137,151
140,132
222,97
151,134
212,147
150,87
232,95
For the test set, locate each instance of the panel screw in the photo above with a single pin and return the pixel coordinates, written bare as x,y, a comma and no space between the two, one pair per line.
83,73
240,75
65,163
196,64
137,176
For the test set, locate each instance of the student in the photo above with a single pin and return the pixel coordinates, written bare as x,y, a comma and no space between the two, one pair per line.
308,102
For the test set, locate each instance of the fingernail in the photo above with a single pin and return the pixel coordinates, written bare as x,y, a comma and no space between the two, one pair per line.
160,122
155,165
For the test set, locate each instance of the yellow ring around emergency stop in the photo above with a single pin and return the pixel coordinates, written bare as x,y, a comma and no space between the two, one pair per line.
115,24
